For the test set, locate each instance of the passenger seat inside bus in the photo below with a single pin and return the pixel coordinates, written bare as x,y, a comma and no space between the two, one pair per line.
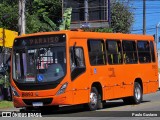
114,59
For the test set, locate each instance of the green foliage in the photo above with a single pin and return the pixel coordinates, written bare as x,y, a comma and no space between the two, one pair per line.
43,15
9,15
121,17
38,15
50,22
51,8
4,80
65,25
6,104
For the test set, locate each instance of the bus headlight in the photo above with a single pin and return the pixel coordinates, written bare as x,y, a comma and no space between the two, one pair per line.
62,89
15,93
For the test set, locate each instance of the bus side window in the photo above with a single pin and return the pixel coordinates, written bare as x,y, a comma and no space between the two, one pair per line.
152,51
144,51
114,52
129,52
96,52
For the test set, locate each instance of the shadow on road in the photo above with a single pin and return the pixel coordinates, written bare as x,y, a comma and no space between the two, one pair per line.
79,109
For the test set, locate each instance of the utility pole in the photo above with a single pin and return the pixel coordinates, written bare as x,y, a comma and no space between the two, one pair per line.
144,17
156,37
86,14
21,21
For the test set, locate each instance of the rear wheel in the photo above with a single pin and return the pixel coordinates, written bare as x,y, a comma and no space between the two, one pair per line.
137,96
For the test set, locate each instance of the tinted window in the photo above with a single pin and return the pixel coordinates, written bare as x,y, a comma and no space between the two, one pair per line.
114,53
152,51
129,52
144,51
77,58
77,62
96,52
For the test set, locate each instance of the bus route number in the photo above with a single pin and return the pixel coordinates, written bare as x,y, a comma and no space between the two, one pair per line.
27,94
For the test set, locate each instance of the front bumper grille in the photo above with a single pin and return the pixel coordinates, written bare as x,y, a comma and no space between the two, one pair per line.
45,101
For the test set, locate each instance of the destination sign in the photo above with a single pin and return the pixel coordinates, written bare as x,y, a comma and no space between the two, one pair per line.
40,40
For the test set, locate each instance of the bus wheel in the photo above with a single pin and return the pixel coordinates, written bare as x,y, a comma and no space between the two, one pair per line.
137,98
93,104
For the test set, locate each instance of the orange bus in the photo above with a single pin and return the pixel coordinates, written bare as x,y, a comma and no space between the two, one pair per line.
76,67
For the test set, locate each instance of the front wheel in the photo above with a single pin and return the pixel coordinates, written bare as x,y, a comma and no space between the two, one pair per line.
93,104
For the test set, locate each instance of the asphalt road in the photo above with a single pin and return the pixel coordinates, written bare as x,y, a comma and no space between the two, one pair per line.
149,109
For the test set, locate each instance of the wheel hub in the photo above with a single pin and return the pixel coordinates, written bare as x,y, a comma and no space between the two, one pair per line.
137,93
93,98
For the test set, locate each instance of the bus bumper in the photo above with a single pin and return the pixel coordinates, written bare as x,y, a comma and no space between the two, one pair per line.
63,99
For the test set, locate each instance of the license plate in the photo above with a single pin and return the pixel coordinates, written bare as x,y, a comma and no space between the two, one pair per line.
36,104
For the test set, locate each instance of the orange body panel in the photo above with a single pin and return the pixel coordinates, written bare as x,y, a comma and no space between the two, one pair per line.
117,81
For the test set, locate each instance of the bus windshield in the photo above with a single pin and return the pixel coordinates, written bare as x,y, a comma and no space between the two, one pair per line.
37,62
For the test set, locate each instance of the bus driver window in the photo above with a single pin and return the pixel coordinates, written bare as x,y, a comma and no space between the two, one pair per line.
77,58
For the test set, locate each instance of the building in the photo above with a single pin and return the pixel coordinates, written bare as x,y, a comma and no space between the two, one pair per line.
88,13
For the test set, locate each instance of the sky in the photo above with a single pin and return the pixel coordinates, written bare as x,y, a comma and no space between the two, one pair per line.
152,16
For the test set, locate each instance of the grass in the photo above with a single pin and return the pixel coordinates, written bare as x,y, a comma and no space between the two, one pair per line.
159,70
6,104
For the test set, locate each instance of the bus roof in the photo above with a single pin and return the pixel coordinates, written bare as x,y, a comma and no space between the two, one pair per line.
93,35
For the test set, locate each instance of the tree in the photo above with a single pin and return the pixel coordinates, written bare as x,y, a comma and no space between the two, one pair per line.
66,22
9,15
37,11
43,15
121,16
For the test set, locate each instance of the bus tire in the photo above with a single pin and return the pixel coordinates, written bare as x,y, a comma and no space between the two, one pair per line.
137,97
93,104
